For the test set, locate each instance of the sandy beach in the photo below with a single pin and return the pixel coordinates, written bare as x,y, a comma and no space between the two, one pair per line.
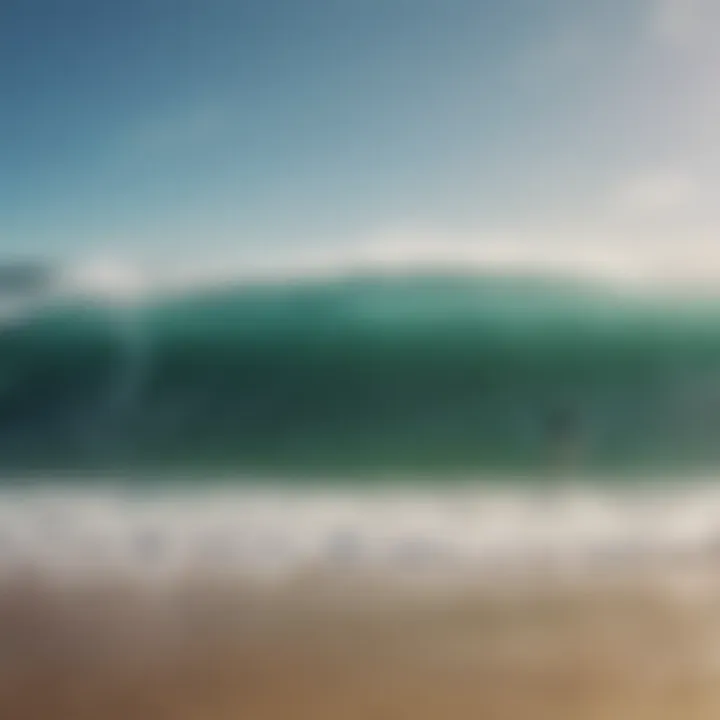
317,649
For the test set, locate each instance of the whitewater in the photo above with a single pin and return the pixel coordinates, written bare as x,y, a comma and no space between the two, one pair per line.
437,536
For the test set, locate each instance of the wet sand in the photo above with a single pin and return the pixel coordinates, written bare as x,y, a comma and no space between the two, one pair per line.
316,649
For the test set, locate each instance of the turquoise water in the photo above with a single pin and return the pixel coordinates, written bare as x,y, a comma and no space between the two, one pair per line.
364,376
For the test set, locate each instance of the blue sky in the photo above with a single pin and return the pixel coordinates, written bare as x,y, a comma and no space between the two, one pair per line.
200,130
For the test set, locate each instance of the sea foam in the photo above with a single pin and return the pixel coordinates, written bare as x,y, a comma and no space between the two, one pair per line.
465,533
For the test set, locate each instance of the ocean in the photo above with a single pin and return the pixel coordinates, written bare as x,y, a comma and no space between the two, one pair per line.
430,420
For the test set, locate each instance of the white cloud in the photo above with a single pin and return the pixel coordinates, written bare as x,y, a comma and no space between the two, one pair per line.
657,194
630,254
568,250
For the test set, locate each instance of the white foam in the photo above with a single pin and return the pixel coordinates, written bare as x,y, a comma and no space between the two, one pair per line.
468,533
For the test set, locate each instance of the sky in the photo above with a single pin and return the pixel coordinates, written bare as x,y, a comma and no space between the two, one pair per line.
203,133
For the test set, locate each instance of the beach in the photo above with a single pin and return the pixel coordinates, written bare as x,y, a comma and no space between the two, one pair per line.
318,647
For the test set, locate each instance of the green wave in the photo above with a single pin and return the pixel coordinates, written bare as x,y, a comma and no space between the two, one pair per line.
416,373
